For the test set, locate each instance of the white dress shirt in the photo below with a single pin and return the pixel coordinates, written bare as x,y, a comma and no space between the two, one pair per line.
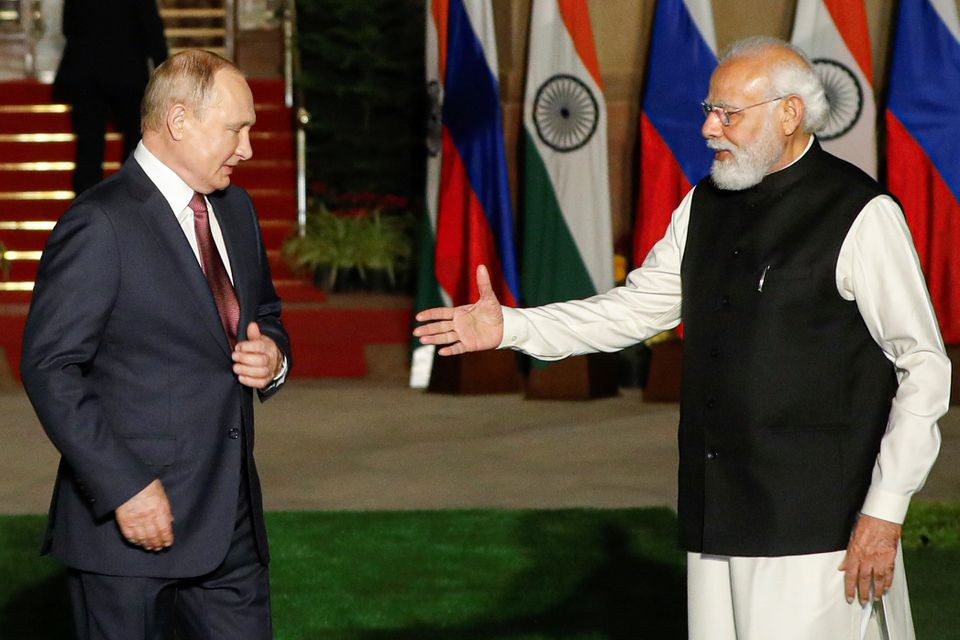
877,267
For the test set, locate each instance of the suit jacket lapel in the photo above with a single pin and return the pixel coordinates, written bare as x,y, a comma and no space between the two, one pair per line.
155,211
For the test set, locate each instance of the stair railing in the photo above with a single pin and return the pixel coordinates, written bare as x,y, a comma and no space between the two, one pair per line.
293,96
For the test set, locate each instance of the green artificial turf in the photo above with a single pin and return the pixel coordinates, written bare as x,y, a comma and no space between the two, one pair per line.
478,575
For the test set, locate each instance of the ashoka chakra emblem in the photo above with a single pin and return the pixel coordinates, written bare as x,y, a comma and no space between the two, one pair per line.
844,96
565,113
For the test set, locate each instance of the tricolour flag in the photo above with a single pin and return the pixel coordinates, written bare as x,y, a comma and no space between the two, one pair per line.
673,155
923,145
469,219
834,34
567,244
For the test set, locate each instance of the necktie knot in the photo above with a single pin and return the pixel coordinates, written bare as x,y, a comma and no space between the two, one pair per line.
197,203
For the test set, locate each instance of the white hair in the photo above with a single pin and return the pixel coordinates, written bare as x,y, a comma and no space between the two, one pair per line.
790,76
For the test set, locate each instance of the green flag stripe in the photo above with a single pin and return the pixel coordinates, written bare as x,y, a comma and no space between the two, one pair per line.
552,268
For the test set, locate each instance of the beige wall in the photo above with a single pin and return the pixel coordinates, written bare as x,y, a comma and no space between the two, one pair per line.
622,33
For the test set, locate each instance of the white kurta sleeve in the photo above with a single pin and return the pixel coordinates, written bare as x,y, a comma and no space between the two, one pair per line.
879,269
646,305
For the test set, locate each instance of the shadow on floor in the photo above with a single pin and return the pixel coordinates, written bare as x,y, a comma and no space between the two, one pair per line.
621,596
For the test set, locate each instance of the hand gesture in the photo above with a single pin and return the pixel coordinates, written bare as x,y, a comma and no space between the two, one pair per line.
469,327
145,519
870,558
256,360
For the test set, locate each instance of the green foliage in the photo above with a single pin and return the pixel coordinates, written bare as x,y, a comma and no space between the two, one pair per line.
333,243
363,83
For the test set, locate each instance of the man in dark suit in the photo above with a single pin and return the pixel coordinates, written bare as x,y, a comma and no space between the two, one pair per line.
103,72
153,320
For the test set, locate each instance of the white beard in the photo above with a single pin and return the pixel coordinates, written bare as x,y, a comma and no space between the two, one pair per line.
746,166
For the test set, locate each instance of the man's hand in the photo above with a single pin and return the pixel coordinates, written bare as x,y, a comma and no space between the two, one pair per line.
470,327
870,557
145,519
257,360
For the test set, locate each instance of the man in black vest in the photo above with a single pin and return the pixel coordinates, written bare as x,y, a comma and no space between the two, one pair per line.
814,371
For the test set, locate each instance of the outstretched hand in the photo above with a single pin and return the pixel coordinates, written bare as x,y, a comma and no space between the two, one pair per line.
469,327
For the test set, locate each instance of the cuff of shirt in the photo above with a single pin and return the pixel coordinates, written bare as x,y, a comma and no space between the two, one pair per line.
281,377
515,328
885,505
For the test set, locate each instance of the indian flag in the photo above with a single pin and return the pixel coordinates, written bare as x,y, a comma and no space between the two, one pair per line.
567,245
834,34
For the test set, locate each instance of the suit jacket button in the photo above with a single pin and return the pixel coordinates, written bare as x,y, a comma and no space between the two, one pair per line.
234,433
712,454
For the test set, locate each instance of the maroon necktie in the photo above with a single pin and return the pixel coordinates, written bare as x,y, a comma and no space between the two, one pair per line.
217,278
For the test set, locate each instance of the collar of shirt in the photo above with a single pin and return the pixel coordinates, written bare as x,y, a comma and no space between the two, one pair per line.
173,189
178,194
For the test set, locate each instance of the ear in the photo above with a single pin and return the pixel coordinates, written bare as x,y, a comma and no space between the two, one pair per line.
791,114
176,117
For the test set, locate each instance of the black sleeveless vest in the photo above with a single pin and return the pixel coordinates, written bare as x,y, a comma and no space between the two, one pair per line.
785,394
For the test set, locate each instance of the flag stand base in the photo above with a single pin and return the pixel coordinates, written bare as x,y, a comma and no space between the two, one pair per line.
595,375
475,373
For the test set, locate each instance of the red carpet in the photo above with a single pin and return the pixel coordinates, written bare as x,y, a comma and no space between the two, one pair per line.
35,149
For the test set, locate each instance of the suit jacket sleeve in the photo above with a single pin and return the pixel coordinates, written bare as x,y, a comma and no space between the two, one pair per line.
268,310
76,287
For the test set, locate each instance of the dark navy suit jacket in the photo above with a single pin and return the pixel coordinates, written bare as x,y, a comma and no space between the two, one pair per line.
129,370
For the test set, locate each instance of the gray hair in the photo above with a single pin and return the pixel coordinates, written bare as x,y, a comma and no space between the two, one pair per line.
788,77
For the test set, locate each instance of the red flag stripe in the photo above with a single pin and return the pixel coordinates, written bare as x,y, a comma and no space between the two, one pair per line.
662,187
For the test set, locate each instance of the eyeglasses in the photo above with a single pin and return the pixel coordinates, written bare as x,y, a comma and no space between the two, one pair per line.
724,114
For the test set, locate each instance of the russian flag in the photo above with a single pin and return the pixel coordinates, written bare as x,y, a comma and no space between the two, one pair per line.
923,145
474,218
673,155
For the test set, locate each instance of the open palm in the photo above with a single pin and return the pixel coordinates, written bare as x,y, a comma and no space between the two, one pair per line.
469,327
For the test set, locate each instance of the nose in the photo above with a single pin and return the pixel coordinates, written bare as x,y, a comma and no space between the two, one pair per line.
712,127
244,150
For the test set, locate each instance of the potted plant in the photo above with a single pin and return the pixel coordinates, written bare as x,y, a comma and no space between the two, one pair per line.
384,250
327,248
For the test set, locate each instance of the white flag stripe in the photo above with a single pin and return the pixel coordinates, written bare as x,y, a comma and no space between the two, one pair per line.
947,10
702,15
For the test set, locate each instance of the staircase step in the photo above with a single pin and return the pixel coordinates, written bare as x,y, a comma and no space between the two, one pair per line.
26,92
55,151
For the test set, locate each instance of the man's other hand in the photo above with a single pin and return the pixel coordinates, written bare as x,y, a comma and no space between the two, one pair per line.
870,558
470,327
257,360
146,520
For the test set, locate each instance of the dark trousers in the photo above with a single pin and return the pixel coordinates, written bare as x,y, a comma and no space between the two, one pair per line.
230,603
91,110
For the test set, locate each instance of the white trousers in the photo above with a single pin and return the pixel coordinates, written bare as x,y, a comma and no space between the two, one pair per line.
788,598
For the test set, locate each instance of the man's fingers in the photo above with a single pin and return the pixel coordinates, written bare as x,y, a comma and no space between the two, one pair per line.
863,585
436,313
454,349
253,331
850,579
